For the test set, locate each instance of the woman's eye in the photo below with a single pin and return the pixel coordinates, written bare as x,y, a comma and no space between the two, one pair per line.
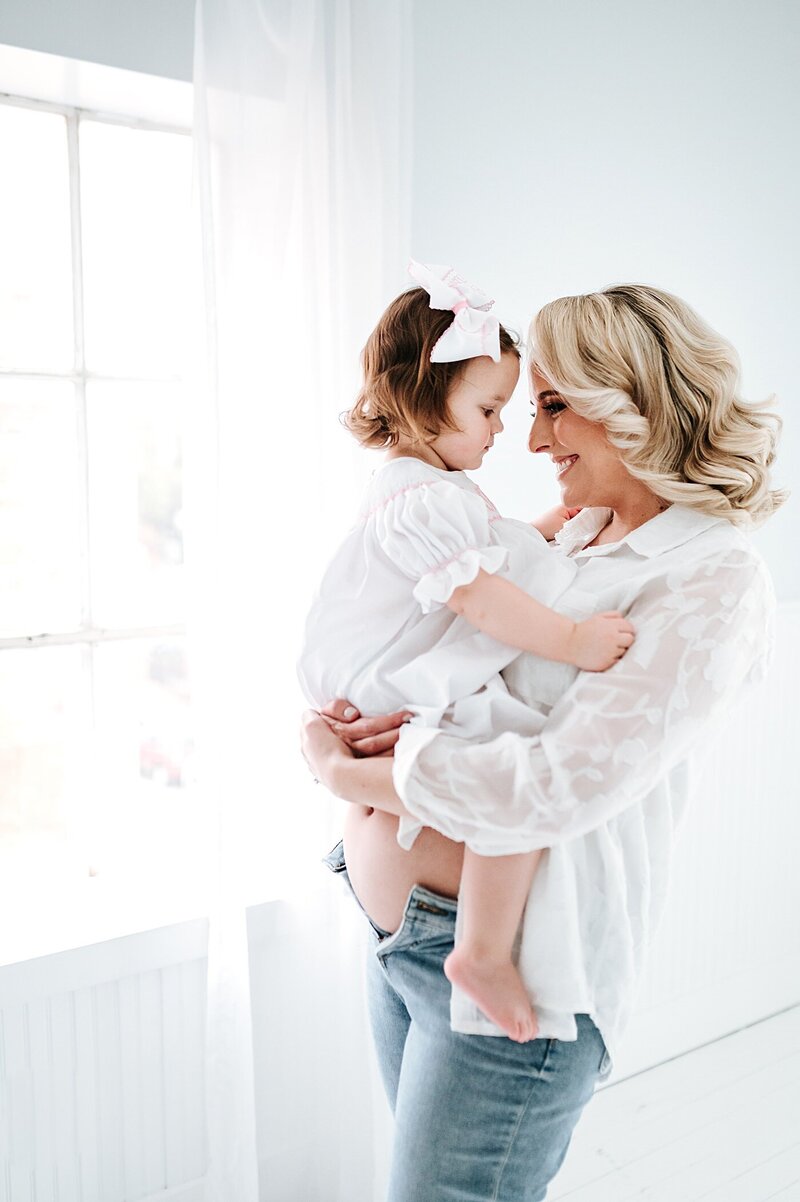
554,407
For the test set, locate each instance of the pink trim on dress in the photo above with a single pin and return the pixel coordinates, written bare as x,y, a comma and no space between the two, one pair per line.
428,484
440,567
490,505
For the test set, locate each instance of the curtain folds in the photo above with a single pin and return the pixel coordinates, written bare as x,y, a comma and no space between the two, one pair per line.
302,128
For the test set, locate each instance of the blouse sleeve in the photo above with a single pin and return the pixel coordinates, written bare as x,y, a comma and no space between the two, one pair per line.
438,534
702,631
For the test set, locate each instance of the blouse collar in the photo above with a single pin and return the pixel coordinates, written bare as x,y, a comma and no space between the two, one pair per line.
670,529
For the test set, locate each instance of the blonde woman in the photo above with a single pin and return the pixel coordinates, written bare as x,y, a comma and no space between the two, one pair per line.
636,403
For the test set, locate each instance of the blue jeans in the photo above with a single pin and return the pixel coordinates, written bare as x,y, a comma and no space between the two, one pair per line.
478,1118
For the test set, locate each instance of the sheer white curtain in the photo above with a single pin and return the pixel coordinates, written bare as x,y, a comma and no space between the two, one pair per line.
302,131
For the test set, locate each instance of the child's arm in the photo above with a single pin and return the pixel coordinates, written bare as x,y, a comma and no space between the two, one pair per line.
510,615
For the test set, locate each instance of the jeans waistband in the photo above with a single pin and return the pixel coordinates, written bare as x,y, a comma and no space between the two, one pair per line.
336,863
423,909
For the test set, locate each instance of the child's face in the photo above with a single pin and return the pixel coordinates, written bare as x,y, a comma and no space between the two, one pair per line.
475,401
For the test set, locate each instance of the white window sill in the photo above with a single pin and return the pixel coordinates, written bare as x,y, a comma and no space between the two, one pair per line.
52,918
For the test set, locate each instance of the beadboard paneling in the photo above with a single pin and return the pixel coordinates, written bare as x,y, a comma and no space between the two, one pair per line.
102,1085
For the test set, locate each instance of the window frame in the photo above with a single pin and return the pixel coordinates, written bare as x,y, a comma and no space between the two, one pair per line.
89,632
94,909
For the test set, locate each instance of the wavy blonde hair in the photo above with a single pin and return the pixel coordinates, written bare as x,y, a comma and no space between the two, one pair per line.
664,385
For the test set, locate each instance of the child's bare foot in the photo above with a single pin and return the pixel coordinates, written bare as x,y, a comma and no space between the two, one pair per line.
496,988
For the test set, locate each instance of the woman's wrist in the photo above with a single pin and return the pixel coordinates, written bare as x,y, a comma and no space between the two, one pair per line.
336,777
366,782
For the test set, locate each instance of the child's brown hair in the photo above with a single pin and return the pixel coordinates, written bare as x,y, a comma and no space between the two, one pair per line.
404,395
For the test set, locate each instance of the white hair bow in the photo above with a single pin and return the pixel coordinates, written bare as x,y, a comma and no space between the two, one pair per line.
475,331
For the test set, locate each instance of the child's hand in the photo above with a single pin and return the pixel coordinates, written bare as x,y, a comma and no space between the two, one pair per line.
600,641
551,522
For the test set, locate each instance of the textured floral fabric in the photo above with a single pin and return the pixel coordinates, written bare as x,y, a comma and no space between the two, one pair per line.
604,782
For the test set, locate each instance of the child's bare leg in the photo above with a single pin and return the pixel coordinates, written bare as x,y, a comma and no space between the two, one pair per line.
491,901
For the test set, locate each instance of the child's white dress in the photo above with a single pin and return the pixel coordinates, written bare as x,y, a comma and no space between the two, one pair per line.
379,631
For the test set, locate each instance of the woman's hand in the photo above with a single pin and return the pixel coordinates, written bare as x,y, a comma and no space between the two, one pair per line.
365,736
322,750
366,782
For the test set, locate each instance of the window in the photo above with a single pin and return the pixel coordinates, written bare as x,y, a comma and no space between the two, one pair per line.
97,289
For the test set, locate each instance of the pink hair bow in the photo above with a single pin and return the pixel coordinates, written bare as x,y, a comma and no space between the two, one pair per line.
475,331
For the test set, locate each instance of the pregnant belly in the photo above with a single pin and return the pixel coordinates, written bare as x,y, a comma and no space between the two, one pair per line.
382,873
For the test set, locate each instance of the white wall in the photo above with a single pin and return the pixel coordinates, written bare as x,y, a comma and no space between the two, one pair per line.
153,36
562,146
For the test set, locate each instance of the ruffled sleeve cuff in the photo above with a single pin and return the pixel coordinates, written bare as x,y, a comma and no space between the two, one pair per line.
437,586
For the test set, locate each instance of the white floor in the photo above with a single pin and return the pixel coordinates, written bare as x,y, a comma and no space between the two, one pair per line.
720,1124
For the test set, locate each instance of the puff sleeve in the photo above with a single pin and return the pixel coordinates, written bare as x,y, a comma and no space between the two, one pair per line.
438,535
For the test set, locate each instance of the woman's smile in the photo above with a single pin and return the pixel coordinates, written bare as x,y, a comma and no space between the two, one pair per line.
602,478
564,463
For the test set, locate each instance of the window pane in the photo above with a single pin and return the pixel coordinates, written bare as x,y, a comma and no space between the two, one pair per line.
145,752
45,725
36,319
135,499
143,715
135,204
41,512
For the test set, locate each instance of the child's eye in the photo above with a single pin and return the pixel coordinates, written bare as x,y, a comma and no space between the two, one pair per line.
488,412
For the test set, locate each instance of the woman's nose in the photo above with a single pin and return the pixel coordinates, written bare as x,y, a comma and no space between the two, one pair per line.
539,437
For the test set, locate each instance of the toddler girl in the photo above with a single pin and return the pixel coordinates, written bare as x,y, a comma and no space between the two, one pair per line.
432,592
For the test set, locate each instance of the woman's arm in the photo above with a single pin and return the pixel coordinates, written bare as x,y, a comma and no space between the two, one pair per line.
609,740
509,614
366,782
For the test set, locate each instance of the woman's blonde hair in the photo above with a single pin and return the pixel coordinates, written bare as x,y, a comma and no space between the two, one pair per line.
664,385
404,395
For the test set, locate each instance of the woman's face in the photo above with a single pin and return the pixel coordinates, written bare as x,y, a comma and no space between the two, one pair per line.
590,471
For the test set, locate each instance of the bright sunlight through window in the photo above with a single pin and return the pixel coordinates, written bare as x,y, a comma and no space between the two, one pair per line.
95,726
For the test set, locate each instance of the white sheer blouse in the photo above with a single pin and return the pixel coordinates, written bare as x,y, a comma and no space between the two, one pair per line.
603,784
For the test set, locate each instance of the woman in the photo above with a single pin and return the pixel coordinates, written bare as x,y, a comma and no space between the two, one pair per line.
635,403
